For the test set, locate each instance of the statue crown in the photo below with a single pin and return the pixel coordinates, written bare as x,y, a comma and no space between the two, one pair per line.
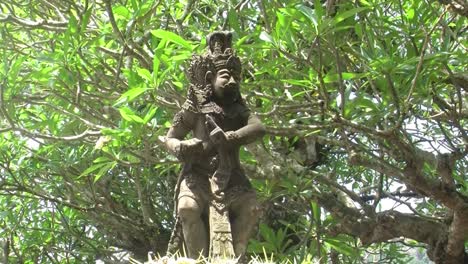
220,55
221,52
219,43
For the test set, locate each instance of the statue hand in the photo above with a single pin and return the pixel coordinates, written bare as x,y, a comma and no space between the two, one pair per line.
217,135
232,136
190,147
218,183
216,192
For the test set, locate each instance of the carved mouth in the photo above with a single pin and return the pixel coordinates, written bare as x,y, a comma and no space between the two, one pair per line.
230,87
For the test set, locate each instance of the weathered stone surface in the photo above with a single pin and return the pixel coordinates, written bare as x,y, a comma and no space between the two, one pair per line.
216,205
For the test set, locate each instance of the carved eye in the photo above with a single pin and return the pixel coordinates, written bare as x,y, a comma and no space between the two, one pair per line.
224,74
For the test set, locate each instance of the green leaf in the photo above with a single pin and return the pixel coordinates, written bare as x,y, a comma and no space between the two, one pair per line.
172,37
315,211
349,13
266,37
121,11
319,11
310,14
340,246
130,95
85,19
234,20
128,115
410,14
92,168
365,103
334,77
145,7
145,74
16,67
104,170
101,159
72,24
150,114
156,64
365,3
303,83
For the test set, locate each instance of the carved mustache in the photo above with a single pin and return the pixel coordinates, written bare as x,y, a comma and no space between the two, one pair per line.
230,86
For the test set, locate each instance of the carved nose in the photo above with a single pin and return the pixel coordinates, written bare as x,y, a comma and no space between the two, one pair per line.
231,84
232,81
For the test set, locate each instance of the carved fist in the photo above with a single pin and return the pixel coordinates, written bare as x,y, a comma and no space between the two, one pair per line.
217,135
218,183
231,136
190,147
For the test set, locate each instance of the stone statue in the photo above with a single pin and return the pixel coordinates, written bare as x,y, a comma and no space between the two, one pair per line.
216,206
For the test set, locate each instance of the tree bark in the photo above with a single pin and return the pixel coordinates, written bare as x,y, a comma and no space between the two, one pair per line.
443,245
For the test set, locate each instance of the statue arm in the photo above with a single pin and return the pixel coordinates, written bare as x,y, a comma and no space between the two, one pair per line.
181,126
172,142
253,130
184,150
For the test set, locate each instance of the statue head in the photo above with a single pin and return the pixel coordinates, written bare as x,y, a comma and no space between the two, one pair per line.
226,77
215,76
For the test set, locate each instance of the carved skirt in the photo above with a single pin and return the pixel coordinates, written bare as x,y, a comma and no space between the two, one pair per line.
197,187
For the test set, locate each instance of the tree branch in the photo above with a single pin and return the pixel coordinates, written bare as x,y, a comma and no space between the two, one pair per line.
385,225
81,136
43,24
371,197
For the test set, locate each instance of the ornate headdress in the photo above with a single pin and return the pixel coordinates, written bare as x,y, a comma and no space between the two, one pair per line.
219,56
221,53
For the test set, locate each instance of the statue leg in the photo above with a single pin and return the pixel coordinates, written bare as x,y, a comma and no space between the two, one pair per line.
190,212
245,213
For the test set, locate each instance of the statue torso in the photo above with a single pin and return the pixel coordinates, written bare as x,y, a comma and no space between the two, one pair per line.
202,167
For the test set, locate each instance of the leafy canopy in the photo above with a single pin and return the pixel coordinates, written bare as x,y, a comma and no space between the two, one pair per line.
364,102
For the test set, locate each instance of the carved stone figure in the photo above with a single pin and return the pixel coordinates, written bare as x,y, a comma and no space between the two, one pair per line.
216,205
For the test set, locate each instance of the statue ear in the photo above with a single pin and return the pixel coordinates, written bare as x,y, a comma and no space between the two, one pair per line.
209,76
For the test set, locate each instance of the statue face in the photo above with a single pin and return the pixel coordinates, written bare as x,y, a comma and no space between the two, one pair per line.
225,84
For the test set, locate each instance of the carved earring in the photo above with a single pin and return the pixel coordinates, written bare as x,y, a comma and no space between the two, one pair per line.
208,77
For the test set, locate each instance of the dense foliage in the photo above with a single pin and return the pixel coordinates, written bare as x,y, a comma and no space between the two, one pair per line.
364,102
